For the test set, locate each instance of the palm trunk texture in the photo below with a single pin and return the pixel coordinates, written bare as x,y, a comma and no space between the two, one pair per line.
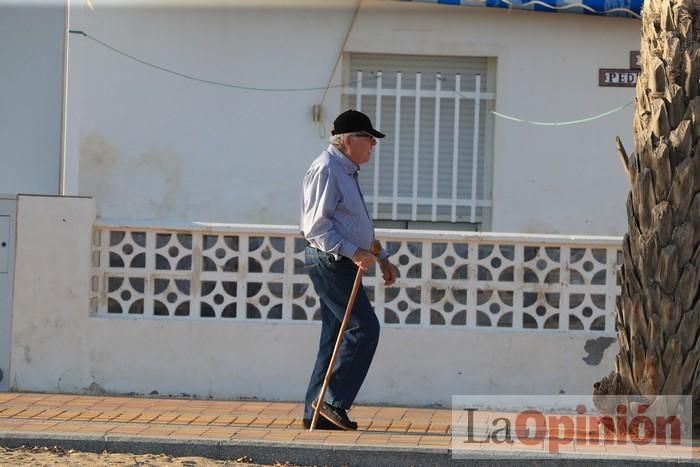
658,315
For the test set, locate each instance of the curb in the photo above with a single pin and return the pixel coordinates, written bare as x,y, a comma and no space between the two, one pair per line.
311,454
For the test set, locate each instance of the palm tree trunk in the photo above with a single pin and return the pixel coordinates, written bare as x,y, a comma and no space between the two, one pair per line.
658,315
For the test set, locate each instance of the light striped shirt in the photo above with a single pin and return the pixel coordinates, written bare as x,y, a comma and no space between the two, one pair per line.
334,217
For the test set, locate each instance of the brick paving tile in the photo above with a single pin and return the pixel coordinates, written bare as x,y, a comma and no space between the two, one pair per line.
281,435
411,440
259,405
87,415
183,419
307,436
283,422
444,416
148,402
372,439
147,417
251,434
297,424
434,441
67,415
289,405
244,420
246,411
126,417
139,408
362,423
35,426
420,427
261,422
45,403
278,413
342,437
50,413
438,428
10,423
33,397
221,433
131,429
166,417
212,413
223,420
79,403
399,426
203,420
109,407
198,405
390,412
189,431
29,413
106,416
157,431
418,414
66,427
11,412
379,425
96,428
363,412
91,431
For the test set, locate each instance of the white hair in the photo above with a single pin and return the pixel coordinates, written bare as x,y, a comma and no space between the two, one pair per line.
337,140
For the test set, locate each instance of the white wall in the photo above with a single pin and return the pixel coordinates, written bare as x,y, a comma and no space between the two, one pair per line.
31,89
155,146
58,347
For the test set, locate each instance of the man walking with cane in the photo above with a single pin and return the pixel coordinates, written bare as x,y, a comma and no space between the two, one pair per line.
340,235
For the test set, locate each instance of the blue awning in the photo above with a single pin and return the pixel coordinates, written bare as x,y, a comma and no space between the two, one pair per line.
625,8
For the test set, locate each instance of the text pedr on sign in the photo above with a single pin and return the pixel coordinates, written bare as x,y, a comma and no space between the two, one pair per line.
617,77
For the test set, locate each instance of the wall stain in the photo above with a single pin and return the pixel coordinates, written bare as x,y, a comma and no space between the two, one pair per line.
148,182
596,349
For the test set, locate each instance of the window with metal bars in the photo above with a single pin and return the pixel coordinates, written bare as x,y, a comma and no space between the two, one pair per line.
433,170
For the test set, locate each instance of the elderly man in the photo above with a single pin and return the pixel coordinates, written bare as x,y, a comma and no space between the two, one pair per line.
339,233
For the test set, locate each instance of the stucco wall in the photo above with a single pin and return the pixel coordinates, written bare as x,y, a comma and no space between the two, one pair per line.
58,347
155,146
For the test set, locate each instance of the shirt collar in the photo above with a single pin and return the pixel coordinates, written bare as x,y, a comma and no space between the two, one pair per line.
350,167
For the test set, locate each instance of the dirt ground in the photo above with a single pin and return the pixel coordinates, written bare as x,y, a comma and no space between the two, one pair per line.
55,457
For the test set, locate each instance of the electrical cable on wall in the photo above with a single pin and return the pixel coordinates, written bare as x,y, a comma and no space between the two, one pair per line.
202,80
318,117
317,110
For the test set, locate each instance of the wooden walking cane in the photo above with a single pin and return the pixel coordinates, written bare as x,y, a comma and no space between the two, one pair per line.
376,248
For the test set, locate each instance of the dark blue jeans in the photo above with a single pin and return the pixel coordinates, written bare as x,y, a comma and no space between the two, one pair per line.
333,283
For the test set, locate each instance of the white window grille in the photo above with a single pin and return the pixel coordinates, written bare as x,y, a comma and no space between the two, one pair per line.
435,164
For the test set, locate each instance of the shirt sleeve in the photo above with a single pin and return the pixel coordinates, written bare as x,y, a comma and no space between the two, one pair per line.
321,197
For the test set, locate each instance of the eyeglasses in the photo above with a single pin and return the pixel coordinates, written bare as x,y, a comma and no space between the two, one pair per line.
364,135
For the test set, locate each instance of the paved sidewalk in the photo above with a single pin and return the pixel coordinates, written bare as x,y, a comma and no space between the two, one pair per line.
272,431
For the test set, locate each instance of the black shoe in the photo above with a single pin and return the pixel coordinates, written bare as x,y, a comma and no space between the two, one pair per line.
336,416
321,424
